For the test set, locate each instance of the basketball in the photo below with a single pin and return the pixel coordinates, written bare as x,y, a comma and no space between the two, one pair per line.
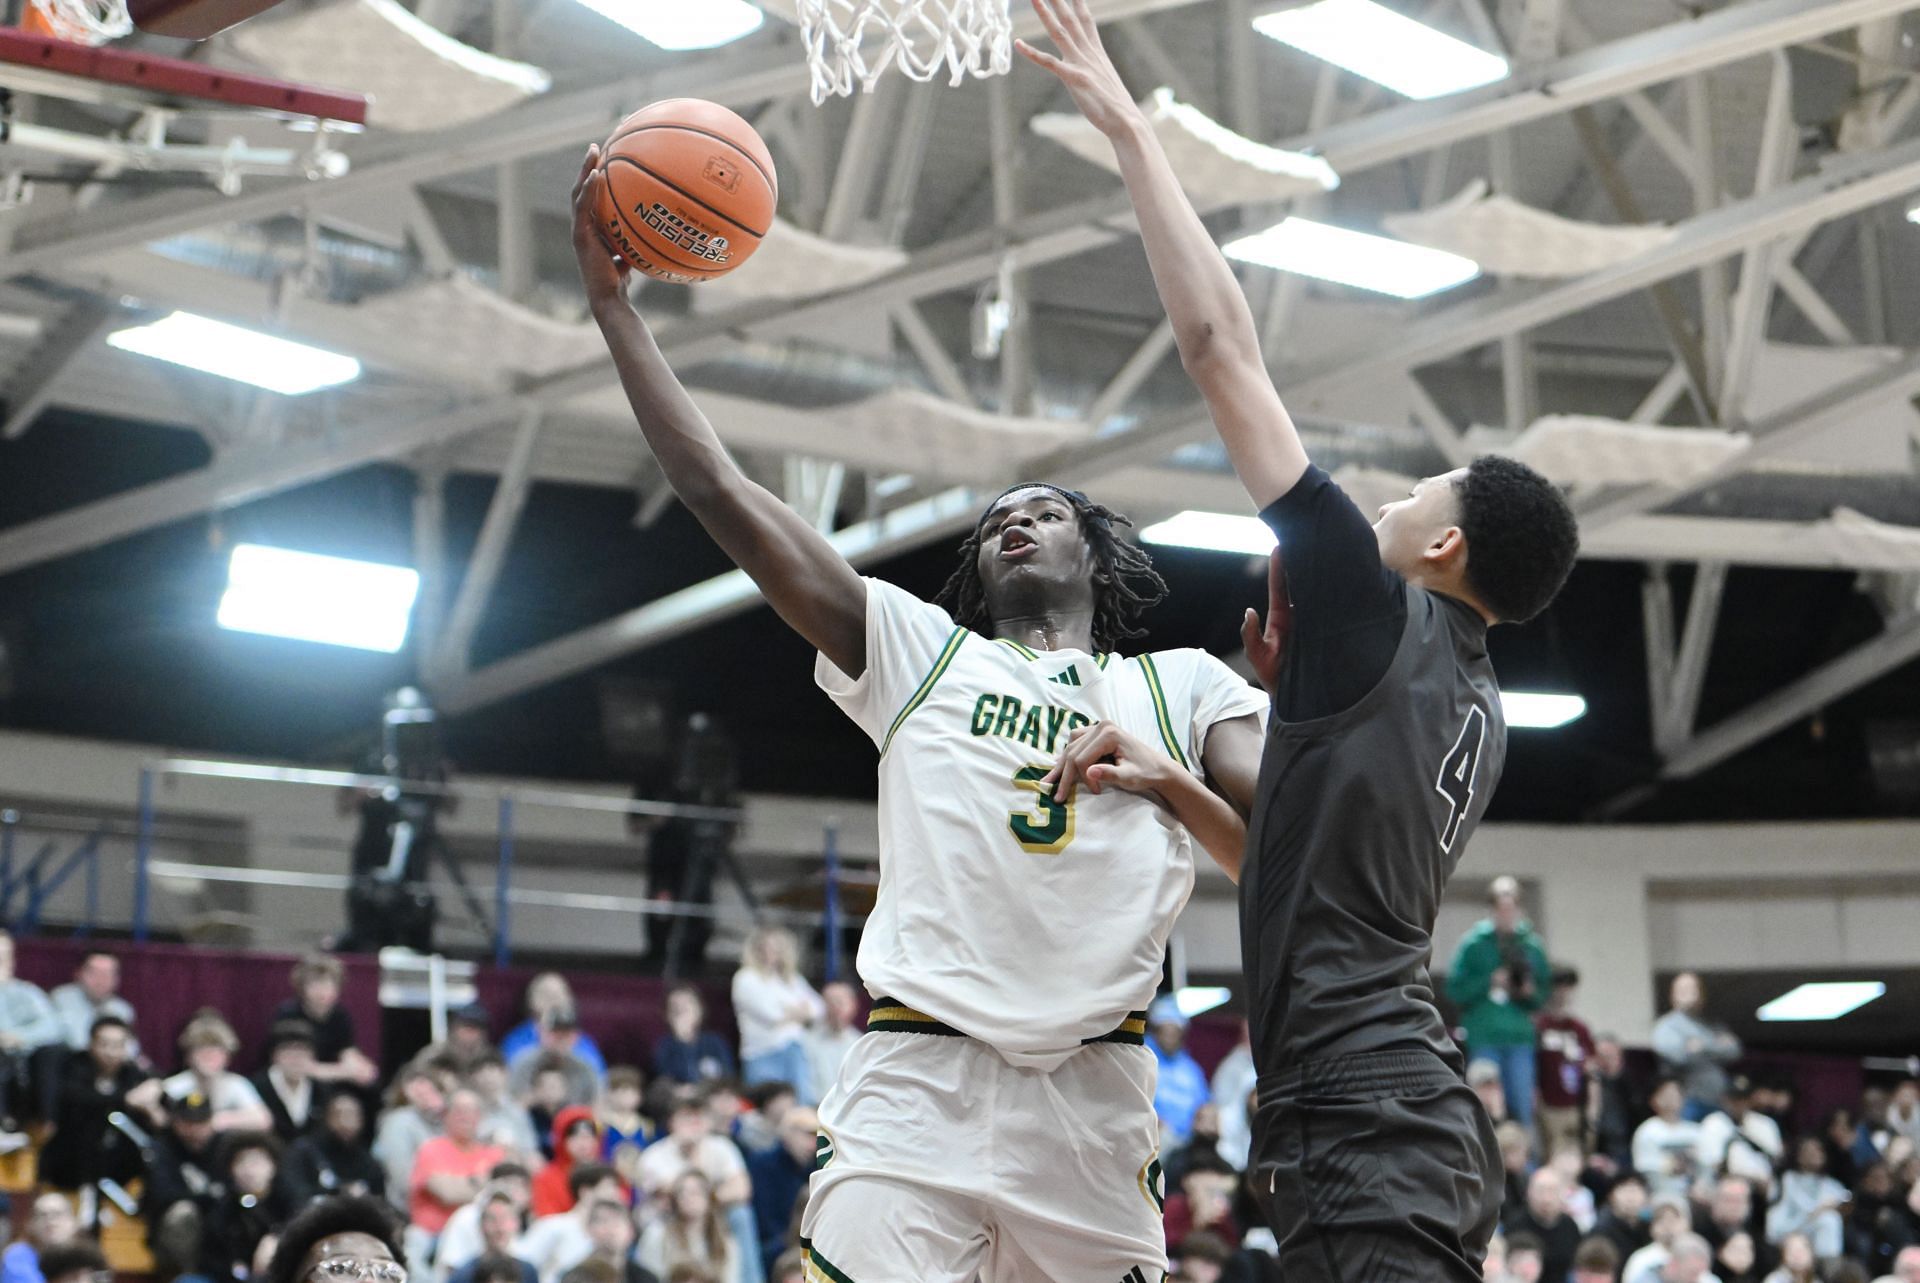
690,190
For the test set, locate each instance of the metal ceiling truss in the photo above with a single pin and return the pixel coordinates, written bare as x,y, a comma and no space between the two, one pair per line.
870,202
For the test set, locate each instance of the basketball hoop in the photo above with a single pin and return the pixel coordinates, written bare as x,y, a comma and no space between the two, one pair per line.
858,40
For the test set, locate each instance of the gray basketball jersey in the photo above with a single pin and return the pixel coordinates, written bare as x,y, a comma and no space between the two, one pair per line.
1359,821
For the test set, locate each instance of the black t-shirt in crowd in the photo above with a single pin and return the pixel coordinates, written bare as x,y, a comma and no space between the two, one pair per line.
1385,744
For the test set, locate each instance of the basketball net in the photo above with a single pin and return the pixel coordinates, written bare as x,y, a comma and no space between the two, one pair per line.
858,40
87,22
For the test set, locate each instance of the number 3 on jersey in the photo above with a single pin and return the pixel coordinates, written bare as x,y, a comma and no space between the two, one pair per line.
1048,827
1458,772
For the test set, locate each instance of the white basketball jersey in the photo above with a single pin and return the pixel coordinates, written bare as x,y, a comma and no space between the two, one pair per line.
1027,923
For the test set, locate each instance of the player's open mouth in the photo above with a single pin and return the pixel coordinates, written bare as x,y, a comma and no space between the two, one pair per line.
1016,544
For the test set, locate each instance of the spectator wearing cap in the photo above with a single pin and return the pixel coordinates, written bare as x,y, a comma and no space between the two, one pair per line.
287,1084
93,1086
774,1005
1498,980
559,1047
317,981
207,1045
1739,1140
1182,1087
1565,1048
93,992
1672,1220
469,1040
184,1179
549,991
50,1225
335,1158
450,1168
506,1122
253,1202
1694,1049
1666,1146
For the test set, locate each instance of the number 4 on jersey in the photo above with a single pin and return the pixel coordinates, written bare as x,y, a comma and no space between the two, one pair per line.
1458,772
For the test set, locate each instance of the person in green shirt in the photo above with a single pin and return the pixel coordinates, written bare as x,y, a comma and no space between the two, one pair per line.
1498,979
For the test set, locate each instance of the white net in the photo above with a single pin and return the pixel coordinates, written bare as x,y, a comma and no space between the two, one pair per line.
91,22
851,41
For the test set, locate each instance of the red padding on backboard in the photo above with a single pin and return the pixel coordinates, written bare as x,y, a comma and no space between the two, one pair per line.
178,78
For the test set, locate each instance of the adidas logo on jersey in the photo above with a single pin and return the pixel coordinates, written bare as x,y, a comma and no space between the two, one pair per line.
1069,676
1137,1275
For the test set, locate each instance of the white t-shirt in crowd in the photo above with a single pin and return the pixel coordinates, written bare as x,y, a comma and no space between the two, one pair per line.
555,1244
761,1006
230,1091
1665,1152
662,1163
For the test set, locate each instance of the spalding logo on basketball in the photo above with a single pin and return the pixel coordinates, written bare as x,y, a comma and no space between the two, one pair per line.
690,190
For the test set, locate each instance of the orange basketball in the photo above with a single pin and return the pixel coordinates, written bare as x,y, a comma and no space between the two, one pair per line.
690,190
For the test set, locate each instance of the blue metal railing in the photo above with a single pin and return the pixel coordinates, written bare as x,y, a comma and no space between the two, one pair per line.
505,894
37,886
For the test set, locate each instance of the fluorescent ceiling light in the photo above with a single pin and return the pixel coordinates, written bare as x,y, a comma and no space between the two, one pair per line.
1338,254
1913,215
1822,1000
683,24
1195,999
1212,532
1539,710
309,597
1386,47
248,356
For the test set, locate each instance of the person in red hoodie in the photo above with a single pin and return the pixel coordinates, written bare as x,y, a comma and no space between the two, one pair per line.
576,1140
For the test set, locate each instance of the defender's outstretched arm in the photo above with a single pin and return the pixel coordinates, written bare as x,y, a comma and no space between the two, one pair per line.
1211,321
803,577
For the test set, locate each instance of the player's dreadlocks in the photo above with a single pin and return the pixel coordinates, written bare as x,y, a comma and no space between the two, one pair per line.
1126,584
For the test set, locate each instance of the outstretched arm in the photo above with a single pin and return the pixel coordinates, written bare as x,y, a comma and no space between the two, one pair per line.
802,576
1211,321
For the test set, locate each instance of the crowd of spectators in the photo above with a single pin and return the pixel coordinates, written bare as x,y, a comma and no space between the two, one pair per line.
534,1160
526,1160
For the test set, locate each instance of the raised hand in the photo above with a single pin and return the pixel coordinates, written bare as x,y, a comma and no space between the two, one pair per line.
1266,643
1082,64
602,271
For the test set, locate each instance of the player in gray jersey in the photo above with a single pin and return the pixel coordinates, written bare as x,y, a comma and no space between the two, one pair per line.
1373,1161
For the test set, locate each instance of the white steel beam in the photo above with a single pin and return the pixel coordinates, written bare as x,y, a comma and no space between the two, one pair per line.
1897,646
1696,645
429,558
1848,186
233,478
1826,410
1656,615
1753,302
60,345
1134,371
941,369
945,514
489,551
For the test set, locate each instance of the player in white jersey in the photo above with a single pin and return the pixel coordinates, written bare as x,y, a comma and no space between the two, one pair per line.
1040,797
